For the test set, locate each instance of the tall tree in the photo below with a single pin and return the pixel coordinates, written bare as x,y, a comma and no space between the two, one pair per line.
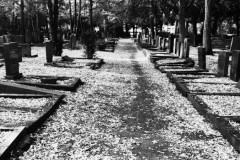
207,28
79,23
55,35
91,16
22,20
181,20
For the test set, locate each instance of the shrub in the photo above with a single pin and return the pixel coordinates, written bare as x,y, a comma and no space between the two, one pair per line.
88,39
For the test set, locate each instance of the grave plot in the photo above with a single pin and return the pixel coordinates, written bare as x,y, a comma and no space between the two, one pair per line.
52,82
207,88
222,112
23,109
207,80
9,138
77,63
211,87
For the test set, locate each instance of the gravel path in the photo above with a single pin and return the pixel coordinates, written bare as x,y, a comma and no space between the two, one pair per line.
126,110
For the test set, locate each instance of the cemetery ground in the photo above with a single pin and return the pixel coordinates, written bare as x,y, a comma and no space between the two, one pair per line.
126,109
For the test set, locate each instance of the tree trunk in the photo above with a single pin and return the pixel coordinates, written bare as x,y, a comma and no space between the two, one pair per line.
50,6
181,19
152,20
53,17
75,16
71,22
90,16
215,24
237,22
79,23
207,28
22,20
194,23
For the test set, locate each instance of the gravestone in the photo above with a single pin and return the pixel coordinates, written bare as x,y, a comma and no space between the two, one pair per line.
201,58
186,47
139,38
171,43
178,48
11,57
28,36
175,46
74,41
235,66
149,39
160,42
1,40
218,42
235,44
49,51
164,44
182,50
157,41
223,62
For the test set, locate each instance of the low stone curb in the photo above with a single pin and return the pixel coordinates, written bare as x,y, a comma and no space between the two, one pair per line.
220,123
19,91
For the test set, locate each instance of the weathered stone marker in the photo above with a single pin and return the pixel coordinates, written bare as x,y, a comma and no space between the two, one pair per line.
182,50
201,58
235,44
175,46
171,43
49,51
160,42
178,48
164,44
223,62
139,38
235,66
186,47
11,56
156,42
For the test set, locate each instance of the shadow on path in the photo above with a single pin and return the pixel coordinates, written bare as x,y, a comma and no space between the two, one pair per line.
141,122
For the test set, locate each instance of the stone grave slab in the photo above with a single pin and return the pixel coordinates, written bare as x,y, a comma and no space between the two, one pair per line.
60,83
11,94
78,63
9,137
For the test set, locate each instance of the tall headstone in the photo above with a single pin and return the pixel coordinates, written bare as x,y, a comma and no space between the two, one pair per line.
235,44
11,57
223,62
175,46
182,50
49,51
235,66
74,42
160,42
170,43
178,48
157,41
186,47
201,58
164,44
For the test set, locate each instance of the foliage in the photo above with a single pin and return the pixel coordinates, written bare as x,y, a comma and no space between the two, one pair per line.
88,39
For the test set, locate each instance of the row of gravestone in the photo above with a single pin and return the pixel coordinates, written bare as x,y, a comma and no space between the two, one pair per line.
223,60
12,57
171,44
